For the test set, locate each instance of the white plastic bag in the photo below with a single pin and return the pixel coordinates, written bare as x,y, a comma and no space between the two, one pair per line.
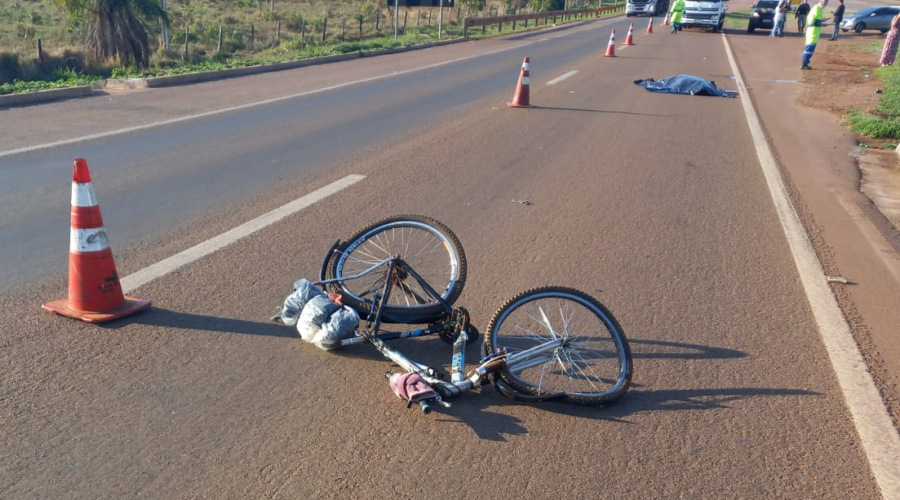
293,304
340,325
316,312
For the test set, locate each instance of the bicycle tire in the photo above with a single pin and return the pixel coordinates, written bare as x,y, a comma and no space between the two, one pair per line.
427,246
592,367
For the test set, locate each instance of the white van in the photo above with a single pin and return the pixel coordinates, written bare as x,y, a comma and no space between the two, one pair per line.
646,7
704,14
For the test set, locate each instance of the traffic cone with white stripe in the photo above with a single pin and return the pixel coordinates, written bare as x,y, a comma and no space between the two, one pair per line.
521,97
650,26
629,38
611,48
666,20
95,294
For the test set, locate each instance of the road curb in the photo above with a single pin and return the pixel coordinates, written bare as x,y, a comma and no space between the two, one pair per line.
220,74
41,96
25,99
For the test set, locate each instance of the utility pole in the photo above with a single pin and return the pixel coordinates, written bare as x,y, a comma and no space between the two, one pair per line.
441,20
396,18
165,25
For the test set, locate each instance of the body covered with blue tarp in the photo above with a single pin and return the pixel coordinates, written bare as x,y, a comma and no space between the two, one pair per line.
685,84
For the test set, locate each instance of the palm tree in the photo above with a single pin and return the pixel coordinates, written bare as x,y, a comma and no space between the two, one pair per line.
116,30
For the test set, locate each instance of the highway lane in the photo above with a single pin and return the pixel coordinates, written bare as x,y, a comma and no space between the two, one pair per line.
733,397
156,178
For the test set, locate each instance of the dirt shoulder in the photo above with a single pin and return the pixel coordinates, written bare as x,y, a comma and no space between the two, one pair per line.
843,80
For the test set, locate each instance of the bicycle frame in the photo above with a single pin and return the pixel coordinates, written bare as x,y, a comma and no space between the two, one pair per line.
459,381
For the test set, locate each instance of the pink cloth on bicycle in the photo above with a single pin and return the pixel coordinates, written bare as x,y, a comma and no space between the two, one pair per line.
411,387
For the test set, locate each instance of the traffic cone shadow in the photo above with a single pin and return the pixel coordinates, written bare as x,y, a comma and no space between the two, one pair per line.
95,294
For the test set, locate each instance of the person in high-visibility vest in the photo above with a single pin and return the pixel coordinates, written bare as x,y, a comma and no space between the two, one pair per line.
814,23
677,10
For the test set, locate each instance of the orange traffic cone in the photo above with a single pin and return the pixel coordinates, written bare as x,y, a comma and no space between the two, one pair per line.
95,294
650,26
629,38
666,20
520,99
611,48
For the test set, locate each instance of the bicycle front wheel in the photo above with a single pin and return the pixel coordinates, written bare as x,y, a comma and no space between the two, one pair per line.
423,247
592,363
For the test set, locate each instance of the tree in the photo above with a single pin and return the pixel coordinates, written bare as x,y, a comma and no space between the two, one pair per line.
539,5
115,30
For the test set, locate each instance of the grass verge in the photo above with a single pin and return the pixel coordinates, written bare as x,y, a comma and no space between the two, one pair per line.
291,48
737,19
60,79
883,122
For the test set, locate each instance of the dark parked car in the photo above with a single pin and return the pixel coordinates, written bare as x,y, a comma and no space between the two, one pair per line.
872,18
762,15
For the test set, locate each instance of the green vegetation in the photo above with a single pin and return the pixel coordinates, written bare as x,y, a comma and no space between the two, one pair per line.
884,120
873,47
57,80
873,126
59,43
737,19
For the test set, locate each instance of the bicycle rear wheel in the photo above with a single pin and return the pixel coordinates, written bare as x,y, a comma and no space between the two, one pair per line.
423,245
591,366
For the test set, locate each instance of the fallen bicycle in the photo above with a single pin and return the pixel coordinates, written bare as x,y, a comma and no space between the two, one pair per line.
544,344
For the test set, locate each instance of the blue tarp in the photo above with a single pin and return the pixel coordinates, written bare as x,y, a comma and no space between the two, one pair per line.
685,84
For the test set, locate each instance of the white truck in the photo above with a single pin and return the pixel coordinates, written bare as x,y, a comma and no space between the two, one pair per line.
704,14
646,7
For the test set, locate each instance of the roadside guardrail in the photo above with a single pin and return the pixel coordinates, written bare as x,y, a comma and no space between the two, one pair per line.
565,15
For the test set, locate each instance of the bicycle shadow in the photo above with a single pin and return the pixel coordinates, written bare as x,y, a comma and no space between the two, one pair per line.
157,316
494,426
641,400
474,410
645,401
429,348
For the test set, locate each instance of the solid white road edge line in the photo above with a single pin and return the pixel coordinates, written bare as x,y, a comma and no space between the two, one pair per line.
201,250
877,433
562,77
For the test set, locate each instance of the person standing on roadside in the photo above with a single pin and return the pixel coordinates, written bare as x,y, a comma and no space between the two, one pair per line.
814,23
677,10
801,13
778,19
838,17
889,52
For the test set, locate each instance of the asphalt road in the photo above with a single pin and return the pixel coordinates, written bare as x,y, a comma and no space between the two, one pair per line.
654,203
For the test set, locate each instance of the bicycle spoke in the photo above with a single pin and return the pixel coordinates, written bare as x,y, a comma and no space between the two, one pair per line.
409,243
591,364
